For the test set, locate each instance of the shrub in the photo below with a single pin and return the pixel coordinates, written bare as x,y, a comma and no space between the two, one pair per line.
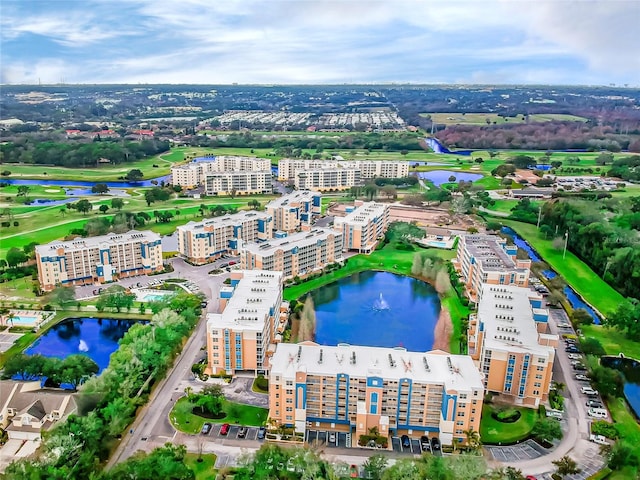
508,415
602,427
262,383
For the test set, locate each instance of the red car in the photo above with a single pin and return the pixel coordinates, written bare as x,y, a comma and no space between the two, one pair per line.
224,429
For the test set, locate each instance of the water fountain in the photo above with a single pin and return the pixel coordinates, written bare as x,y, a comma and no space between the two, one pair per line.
82,346
380,304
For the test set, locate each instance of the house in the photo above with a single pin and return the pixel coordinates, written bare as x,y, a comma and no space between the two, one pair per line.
26,409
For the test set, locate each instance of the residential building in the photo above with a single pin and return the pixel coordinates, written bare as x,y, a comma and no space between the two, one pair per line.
508,340
98,259
354,389
237,183
489,259
193,174
363,226
327,179
288,167
205,241
296,255
253,317
295,211
26,409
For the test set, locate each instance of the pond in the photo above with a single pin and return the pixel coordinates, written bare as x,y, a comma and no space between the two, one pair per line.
377,309
438,177
81,183
95,337
630,368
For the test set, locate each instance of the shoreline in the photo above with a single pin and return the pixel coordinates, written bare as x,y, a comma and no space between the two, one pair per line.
443,331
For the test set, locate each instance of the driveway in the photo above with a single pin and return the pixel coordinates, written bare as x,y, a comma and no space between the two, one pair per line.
239,390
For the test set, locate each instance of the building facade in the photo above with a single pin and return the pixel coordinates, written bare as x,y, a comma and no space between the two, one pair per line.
489,259
296,255
205,241
98,259
354,389
363,227
193,174
509,341
237,183
288,167
327,179
295,211
253,317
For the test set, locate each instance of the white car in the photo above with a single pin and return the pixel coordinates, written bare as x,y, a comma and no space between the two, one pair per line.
599,439
574,356
589,391
564,325
582,377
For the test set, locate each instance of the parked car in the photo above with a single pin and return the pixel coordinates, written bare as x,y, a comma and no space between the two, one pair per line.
589,391
424,443
579,367
406,443
225,429
580,376
574,356
597,412
572,349
564,325
554,414
599,439
206,428
223,265
435,443
232,263
594,404
242,432
332,437
262,432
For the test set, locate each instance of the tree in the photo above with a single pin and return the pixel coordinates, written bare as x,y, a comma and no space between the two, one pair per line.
581,317
15,257
473,439
374,466
103,208
164,462
494,226
546,429
233,192
117,203
63,295
84,206
149,197
255,204
566,466
370,190
604,158
29,249
620,455
307,325
452,178
100,188
74,369
626,318
23,191
134,175
390,191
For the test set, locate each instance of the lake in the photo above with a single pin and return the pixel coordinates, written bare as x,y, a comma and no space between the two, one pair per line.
438,177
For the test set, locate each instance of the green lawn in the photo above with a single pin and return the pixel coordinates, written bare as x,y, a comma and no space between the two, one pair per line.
577,274
185,420
493,432
204,469
494,118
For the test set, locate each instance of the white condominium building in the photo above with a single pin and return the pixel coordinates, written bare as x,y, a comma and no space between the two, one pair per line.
193,174
288,167
238,183
98,259
355,389
327,179
295,210
252,314
298,254
363,227
205,241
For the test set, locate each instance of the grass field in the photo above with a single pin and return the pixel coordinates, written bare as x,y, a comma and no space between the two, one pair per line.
495,119
183,419
203,469
577,274
493,432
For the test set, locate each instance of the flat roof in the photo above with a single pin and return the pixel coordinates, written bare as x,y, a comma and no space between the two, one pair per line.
254,296
300,239
488,250
231,219
507,315
364,213
102,241
295,196
456,372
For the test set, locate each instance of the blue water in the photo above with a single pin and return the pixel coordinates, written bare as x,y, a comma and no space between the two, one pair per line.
424,164
78,183
544,168
435,145
438,177
631,371
100,336
352,311
573,298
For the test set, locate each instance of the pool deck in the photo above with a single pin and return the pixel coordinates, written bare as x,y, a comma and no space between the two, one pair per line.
36,317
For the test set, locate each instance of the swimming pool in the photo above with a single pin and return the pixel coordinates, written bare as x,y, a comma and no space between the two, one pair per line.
434,243
23,321
149,297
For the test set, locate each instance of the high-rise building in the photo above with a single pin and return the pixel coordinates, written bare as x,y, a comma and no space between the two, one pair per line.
327,179
237,183
489,259
363,226
295,211
205,241
299,254
253,317
193,174
510,343
354,389
98,259
288,167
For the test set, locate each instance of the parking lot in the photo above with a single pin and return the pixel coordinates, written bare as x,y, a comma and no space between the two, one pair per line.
524,451
413,448
252,433
7,340
320,437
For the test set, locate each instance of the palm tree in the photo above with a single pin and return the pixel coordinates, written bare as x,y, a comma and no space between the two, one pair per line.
473,439
558,386
566,466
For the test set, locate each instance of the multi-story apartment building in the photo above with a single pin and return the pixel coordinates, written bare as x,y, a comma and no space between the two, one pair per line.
354,389
327,179
238,183
193,174
288,167
205,241
295,211
510,343
98,259
363,227
298,254
489,259
252,314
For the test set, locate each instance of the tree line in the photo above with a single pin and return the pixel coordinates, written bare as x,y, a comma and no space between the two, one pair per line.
72,370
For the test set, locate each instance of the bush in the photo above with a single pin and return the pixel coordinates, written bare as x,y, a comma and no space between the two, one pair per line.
262,383
508,415
602,427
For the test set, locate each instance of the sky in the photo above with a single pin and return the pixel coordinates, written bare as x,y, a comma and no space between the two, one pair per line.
585,42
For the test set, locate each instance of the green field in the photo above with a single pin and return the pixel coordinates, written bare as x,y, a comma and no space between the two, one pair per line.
495,119
183,419
202,465
494,432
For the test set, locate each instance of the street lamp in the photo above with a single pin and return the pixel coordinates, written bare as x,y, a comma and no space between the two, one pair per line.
566,240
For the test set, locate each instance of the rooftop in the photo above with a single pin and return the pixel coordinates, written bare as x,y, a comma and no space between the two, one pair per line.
253,299
296,196
364,213
488,250
455,372
102,241
300,239
507,315
231,219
